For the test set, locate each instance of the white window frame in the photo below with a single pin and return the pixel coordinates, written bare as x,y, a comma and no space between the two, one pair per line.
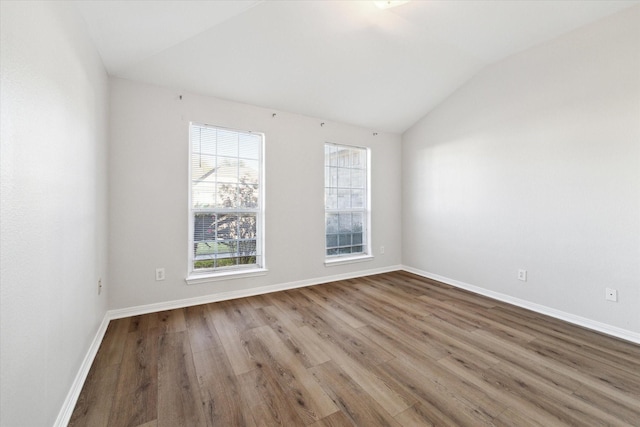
196,276
366,254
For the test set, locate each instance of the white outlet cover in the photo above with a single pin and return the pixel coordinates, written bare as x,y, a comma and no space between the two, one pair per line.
611,295
522,275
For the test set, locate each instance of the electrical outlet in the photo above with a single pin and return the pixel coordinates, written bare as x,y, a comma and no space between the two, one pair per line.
611,295
99,286
159,274
381,250
522,275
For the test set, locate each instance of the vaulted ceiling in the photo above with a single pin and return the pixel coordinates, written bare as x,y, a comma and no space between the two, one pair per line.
346,61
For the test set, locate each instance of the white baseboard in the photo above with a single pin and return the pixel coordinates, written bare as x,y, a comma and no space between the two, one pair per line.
242,293
614,331
64,416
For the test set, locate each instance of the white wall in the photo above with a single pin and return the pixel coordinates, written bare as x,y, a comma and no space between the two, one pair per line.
149,182
535,164
53,212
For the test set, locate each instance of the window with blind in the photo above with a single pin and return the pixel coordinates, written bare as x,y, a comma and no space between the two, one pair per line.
225,199
346,201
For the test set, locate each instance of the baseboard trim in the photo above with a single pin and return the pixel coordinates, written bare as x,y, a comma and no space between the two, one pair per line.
604,328
64,416
224,296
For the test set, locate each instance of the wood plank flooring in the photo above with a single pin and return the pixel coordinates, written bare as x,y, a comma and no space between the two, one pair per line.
393,349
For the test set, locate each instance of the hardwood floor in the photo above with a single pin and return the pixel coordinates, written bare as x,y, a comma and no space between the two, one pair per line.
388,350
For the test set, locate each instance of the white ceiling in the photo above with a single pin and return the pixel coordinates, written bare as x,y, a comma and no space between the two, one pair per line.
345,61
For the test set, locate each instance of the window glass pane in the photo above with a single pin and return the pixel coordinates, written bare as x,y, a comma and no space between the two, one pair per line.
344,178
227,196
226,226
344,222
224,248
204,140
331,223
247,226
226,262
332,155
344,239
248,196
227,169
247,248
225,175
358,178
357,198
358,159
331,177
357,221
203,264
249,171
332,240
227,143
202,167
250,146
202,229
345,200
344,157
203,194
331,198
356,238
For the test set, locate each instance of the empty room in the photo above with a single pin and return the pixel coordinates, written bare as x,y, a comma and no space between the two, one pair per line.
320,213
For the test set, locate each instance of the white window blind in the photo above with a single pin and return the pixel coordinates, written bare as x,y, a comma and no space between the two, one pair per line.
346,200
225,199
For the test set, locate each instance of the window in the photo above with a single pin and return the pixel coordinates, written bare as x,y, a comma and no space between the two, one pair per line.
346,201
225,199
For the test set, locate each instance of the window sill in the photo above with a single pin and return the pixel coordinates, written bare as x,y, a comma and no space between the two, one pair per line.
330,262
200,278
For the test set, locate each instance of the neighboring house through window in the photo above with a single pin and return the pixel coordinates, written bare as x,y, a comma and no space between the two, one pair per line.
226,206
346,195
